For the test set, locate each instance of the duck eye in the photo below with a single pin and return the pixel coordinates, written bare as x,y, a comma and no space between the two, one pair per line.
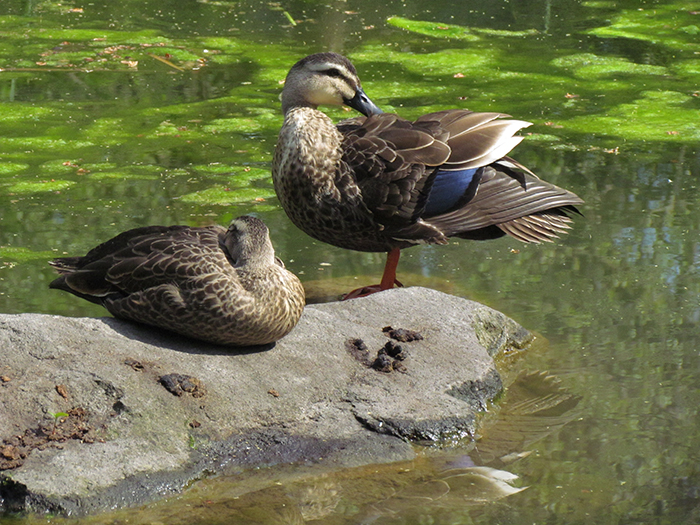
333,73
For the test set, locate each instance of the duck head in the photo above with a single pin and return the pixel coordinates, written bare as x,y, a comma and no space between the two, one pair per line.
326,79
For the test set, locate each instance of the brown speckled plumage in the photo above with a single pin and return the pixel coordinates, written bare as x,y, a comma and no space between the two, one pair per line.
365,183
210,283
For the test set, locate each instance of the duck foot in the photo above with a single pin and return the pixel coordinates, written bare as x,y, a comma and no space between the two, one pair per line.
369,290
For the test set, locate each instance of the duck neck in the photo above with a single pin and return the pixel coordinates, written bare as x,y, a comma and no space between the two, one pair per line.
291,100
310,138
261,257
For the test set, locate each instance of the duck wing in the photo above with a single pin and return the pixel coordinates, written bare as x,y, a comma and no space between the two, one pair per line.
475,139
448,174
389,161
142,258
480,192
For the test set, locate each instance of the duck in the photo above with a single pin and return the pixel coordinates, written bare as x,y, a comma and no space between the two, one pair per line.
381,183
215,284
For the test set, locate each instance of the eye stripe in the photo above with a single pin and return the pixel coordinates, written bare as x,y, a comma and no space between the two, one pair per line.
337,70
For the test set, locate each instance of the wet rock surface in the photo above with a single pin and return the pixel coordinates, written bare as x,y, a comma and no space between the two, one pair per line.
146,412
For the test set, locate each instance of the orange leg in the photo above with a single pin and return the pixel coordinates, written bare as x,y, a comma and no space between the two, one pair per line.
388,279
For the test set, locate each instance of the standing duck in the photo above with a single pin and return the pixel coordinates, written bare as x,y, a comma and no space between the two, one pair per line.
224,286
379,183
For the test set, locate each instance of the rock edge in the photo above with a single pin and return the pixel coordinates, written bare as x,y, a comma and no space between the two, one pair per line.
312,397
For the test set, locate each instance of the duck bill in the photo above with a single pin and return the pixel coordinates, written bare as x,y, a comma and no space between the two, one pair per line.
363,104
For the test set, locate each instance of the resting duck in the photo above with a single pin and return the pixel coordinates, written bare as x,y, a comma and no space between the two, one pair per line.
224,286
379,183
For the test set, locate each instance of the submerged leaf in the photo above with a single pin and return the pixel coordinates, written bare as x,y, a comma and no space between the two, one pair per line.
18,254
223,196
122,175
591,66
669,25
440,30
10,168
658,116
434,29
35,187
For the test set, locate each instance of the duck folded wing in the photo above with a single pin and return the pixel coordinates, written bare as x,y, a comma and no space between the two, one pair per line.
391,160
140,259
407,170
475,139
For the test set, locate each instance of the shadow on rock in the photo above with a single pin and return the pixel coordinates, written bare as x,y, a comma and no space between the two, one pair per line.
159,337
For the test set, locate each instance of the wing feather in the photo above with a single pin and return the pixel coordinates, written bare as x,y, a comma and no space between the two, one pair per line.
393,163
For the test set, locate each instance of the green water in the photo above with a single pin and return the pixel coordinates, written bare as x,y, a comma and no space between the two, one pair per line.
121,114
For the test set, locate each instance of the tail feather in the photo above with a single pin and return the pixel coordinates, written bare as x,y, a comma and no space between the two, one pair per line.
65,264
537,228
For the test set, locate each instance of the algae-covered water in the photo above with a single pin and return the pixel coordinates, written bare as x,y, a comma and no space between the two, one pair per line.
115,115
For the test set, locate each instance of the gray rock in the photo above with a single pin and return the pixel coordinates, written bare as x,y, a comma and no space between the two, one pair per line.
312,397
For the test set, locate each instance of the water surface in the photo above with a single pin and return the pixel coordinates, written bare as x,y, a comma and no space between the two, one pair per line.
115,115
